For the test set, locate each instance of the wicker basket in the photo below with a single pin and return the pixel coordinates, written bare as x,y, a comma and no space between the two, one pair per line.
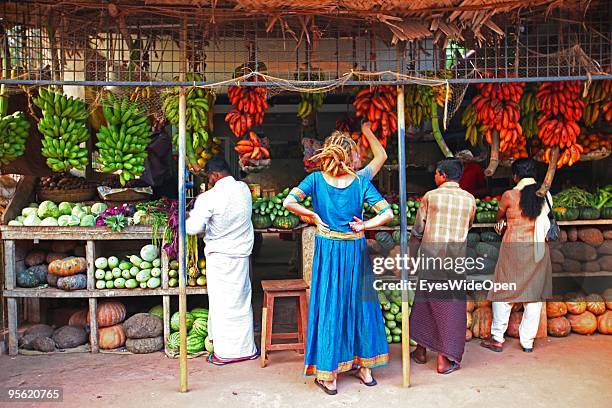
72,195
595,155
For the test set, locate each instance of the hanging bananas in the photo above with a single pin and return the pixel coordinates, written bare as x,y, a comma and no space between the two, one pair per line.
309,103
598,99
439,92
123,142
529,111
13,135
417,104
469,119
139,93
63,128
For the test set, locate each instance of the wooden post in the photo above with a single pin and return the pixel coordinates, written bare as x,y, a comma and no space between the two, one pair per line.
90,255
11,306
11,303
401,148
182,128
93,325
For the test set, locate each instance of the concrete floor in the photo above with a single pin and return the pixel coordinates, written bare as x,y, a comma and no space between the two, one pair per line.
569,372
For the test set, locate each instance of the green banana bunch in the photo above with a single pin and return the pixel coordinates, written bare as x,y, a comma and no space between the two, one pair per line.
123,142
63,129
417,104
309,103
198,104
13,135
529,112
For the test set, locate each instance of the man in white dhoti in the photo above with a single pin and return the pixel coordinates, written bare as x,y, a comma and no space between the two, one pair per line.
223,214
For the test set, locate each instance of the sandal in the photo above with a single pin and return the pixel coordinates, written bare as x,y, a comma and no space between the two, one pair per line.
491,345
454,367
326,390
416,359
357,375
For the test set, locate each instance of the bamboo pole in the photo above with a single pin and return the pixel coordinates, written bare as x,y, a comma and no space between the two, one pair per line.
401,159
182,128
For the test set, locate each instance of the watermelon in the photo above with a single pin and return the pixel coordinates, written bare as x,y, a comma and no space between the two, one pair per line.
157,311
200,328
195,344
173,341
174,321
199,313
385,240
489,236
396,235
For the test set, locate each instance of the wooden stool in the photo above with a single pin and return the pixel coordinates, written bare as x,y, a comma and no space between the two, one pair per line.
283,288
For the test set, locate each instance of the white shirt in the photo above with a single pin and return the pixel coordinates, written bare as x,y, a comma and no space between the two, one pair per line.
223,214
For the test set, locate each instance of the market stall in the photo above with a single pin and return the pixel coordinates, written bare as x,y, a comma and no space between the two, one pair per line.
144,72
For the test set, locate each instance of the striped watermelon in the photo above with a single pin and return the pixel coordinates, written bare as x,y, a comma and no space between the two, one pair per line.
195,344
208,344
199,313
173,341
157,311
200,328
174,321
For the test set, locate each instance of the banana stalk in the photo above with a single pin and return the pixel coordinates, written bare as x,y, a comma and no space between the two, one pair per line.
550,173
435,125
494,160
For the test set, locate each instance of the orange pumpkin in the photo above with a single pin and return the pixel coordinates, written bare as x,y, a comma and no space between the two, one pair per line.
576,305
559,327
584,323
480,300
68,266
555,309
111,337
481,325
607,296
78,318
604,322
110,313
469,304
595,304
513,324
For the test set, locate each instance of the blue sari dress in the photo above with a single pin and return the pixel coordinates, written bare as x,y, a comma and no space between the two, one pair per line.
345,323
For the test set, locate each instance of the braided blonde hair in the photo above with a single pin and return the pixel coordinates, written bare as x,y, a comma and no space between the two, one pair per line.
335,157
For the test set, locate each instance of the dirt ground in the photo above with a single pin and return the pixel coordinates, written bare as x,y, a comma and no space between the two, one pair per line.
569,372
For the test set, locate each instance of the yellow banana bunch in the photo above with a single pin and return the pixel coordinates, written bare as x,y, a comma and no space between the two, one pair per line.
440,94
140,92
600,94
417,104
309,103
529,111
469,119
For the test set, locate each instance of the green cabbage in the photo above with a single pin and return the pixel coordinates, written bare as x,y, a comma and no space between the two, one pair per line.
31,221
65,208
77,211
74,221
15,223
87,209
20,218
48,209
49,222
64,220
28,211
88,221
98,208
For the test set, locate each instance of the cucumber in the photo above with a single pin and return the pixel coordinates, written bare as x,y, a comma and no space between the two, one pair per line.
125,266
108,275
155,272
143,275
116,273
134,271
145,265
156,263
172,273
110,284
153,283
99,274
391,324
396,331
119,283
100,284
126,275
143,285
131,283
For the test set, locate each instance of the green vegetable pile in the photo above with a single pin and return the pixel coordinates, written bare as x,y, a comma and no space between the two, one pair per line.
123,141
391,306
603,197
267,210
142,271
197,335
64,130
574,197
49,214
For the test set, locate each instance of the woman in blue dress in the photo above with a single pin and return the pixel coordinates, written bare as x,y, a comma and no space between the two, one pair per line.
345,324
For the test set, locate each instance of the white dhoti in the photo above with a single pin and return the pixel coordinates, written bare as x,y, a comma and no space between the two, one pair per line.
230,319
528,328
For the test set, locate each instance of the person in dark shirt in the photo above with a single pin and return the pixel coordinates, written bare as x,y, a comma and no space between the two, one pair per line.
473,179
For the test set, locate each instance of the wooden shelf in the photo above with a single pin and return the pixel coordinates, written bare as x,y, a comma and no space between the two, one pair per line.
581,274
74,233
97,293
491,225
